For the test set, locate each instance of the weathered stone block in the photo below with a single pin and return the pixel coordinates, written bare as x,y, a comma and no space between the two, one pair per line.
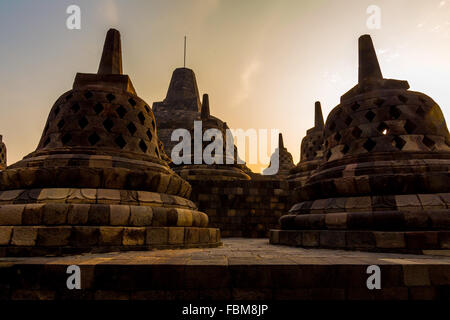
110,236
5,235
157,235
176,235
85,236
191,235
422,240
78,214
204,235
11,214
133,236
53,236
108,196
185,218
311,238
408,202
55,214
99,215
389,240
24,236
159,217
212,235
54,194
119,214
360,239
32,214
415,219
332,239
274,237
141,216
336,220
431,201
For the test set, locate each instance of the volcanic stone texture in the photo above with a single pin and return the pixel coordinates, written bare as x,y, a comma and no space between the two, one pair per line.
243,269
386,168
98,180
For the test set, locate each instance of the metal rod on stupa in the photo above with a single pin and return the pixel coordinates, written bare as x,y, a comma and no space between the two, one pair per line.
369,67
111,62
205,107
318,117
184,59
280,141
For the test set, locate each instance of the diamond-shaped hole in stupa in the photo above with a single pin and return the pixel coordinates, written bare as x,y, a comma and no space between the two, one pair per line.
384,184
97,181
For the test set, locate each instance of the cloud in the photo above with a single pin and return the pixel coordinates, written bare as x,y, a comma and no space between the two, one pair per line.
388,54
246,81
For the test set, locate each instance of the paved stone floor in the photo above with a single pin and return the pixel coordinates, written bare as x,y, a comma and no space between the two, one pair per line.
240,269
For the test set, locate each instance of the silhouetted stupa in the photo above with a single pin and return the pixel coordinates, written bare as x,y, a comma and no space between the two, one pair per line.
2,154
284,159
97,180
384,184
179,110
311,151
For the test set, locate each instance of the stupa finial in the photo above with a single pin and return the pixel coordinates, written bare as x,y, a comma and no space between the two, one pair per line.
280,141
318,117
205,107
111,62
369,67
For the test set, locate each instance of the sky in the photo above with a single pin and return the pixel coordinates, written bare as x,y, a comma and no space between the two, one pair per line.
263,62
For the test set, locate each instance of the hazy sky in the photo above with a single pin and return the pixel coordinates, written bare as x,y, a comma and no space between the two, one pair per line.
263,62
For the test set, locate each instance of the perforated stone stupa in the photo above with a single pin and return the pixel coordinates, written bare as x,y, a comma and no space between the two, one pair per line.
179,110
311,151
97,180
284,159
384,184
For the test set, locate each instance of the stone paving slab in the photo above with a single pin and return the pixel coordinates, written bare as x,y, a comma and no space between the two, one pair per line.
242,269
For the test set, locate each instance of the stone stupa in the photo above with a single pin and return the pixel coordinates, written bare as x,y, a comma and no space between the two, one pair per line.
97,180
284,159
2,154
311,151
179,110
384,184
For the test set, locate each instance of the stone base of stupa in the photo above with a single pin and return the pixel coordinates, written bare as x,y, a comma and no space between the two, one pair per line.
401,223
211,172
59,221
414,242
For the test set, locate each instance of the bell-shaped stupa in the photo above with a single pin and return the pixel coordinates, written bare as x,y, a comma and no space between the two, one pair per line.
182,109
281,161
311,151
384,184
97,180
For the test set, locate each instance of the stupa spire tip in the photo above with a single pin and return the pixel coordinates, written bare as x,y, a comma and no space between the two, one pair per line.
111,61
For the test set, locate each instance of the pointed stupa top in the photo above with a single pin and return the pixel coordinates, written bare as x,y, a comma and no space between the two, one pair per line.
205,107
111,62
370,77
280,141
318,117
369,67
110,74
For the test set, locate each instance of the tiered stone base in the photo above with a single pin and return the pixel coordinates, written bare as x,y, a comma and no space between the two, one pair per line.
211,172
416,242
65,221
65,240
396,223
